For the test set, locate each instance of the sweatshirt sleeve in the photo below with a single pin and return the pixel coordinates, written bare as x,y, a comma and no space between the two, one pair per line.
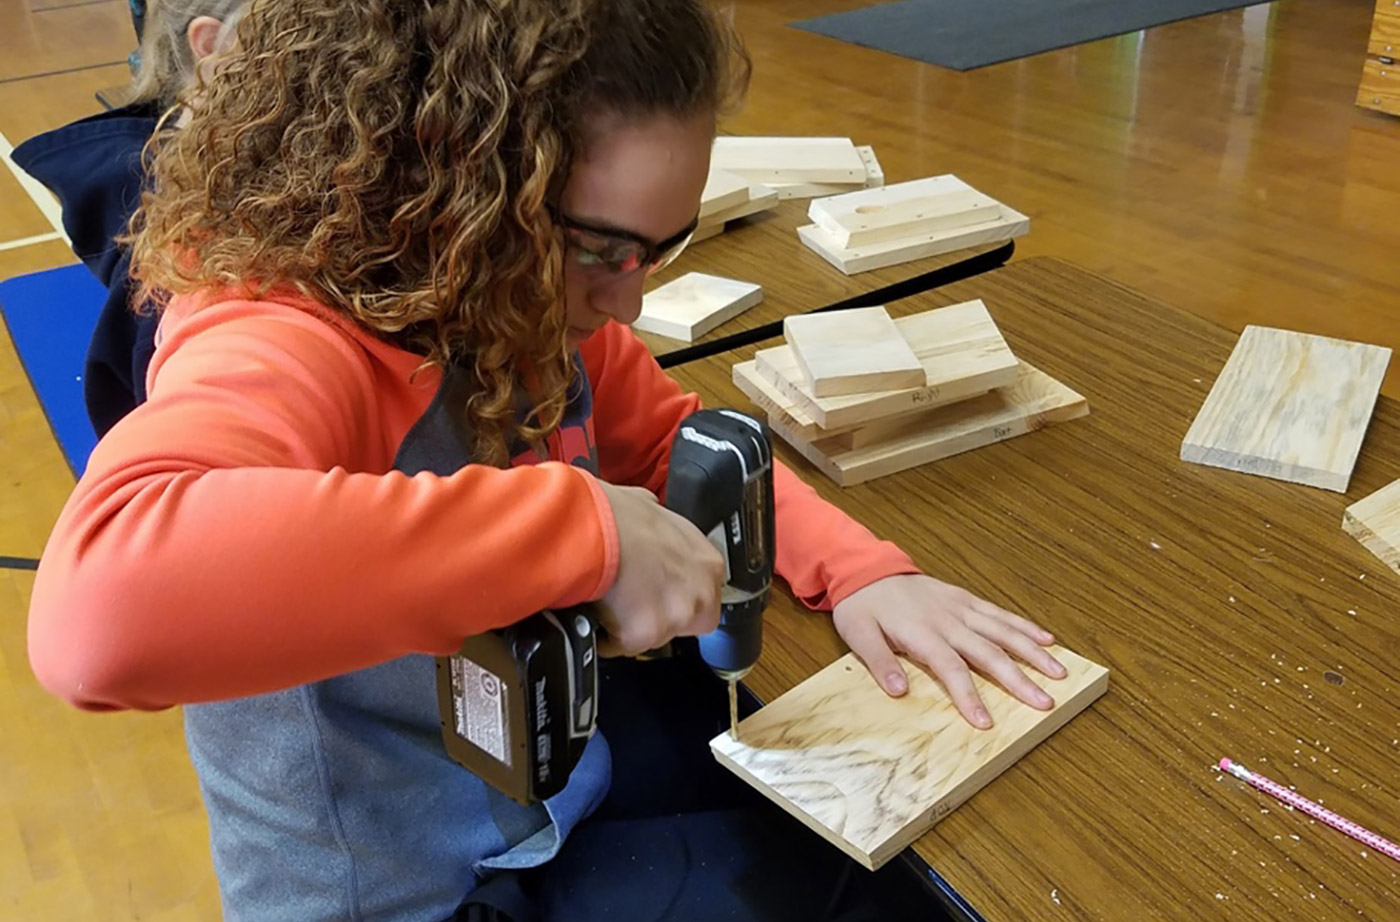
227,538
823,554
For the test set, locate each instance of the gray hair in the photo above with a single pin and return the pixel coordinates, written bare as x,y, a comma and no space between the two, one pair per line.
167,64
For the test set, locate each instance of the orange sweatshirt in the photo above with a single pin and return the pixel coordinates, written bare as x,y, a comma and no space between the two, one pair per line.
244,530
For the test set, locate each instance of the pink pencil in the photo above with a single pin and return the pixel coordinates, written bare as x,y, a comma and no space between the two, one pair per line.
1360,834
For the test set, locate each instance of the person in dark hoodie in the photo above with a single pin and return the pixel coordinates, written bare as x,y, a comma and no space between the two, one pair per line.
94,166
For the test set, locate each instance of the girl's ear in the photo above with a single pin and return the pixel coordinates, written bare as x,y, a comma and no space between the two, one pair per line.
203,36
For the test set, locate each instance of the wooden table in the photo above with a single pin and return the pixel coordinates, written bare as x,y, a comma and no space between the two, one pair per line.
765,249
1236,617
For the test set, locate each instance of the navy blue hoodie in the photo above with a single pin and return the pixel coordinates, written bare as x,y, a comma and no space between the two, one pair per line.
94,167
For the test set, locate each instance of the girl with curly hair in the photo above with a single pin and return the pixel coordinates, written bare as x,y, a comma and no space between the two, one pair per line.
395,402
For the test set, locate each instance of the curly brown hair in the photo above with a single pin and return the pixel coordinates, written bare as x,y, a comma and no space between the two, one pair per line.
396,160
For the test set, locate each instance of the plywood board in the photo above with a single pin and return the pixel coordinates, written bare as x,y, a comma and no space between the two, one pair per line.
874,178
870,773
1035,401
903,211
891,253
723,190
1291,406
852,352
789,160
1375,522
962,352
694,304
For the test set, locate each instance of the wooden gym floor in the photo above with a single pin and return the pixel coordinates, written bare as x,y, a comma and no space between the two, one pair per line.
1218,164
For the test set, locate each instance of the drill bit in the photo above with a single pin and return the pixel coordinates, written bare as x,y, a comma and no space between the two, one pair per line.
734,709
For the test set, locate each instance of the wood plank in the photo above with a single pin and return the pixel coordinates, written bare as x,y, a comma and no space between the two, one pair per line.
1375,522
723,190
789,159
1291,406
694,304
785,413
870,773
891,253
874,178
1035,401
758,198
903,211
852,352
960,347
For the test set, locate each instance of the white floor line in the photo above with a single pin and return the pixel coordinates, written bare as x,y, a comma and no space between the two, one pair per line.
30,241
42,198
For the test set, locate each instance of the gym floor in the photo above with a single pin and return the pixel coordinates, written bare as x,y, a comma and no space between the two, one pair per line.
1218,164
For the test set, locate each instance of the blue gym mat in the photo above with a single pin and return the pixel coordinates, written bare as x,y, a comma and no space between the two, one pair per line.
51,316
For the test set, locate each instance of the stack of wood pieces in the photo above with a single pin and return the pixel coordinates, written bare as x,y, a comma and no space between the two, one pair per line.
729,197
688,307
875,228
860,395
800,167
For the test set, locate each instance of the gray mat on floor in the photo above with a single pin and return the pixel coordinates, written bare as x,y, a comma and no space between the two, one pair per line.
966,34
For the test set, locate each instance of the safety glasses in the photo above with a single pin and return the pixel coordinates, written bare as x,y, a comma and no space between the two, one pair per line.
619,253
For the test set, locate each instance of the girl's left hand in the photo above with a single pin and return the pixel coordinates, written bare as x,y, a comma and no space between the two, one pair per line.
949,630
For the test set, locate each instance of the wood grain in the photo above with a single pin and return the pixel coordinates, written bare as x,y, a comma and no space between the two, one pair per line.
871,773
962,352
863,258
902,211
1291,406
1375,522
886,447
852,352
694,304
1220,604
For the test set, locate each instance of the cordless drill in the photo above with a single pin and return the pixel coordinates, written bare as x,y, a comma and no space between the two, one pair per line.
519,705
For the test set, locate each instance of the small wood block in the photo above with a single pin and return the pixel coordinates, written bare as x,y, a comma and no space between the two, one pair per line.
903,211
790,160
891,253
852,352
870,773
1035,401
1291,406
874,178
694,304
723,191
1375,522
760,198
706,231
962,352
874,173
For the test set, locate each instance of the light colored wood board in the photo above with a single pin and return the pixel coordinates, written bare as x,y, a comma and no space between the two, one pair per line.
1375,522
694,304
1290,406
883,255
870,773
705,232
783,412
790,159
1035,401
760,198
960,347
723,190
852,352
874,178
903,211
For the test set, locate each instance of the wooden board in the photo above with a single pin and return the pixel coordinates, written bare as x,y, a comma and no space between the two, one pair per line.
758,198
903,211
1375,522
960,347
723,191
891,253
852,352
789,160
694,304
1291,406
870,773
874,178
1035,401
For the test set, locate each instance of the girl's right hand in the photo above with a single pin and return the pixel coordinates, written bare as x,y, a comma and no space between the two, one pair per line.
669,577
